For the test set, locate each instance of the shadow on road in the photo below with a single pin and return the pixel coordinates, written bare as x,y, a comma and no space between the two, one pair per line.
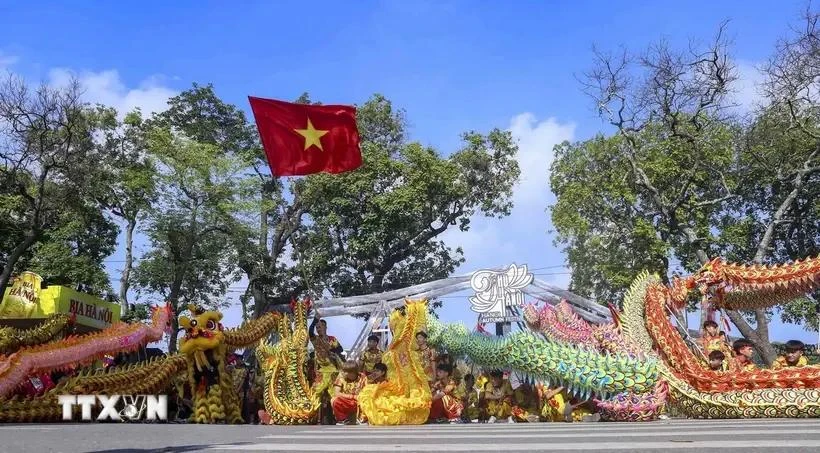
177,449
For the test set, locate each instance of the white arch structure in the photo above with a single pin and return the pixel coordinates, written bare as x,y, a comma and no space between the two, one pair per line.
380,304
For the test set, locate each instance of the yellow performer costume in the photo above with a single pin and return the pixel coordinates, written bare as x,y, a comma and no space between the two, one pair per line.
553,403
370,358
499,400
405,398
526,407
327,352
781,362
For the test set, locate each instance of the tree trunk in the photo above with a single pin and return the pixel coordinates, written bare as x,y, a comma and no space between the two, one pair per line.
173,299
172,340
129,262
15,255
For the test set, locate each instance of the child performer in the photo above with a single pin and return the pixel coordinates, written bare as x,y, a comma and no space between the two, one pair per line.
346,390
553,404
716,361
793,357
428,356
743,355
498,395
446,405
469,398
378,375
372,355
526,403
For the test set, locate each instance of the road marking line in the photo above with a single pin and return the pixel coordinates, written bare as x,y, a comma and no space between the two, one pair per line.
529,435
574,446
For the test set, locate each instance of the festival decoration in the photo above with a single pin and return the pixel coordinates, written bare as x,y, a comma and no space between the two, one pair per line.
404,398
288,397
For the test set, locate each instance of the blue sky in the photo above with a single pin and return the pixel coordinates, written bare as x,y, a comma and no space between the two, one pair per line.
453,65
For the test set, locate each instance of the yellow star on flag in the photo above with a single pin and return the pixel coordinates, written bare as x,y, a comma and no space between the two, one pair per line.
312,135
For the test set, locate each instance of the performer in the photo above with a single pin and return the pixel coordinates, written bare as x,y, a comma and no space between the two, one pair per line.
553,404
793,356
712,340
428,356
743,355
327,356
446,405
526,399
498,395
717,361
372,355
378,375
346,390
469,396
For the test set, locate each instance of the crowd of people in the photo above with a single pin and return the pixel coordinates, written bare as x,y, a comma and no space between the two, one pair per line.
456,398
723,357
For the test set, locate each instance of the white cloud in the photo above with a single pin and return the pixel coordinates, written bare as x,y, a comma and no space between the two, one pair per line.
107,88
7,61
522,237
747,93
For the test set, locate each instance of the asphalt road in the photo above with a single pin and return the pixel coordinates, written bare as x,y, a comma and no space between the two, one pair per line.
690,436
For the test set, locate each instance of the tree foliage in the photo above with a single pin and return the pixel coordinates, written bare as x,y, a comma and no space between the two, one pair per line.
683,178
377,228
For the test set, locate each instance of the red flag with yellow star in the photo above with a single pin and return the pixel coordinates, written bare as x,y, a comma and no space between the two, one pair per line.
301,139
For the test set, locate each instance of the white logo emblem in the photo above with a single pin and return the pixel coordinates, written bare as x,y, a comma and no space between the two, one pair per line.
496,291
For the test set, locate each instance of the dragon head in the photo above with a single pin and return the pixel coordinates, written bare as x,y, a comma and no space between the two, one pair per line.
203,332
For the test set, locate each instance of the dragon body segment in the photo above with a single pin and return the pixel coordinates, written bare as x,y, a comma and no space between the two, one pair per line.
560,323
120,337
288,398
699,392
12,339
581,370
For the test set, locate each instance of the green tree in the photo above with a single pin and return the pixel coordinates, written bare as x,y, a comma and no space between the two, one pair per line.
376,228
267,214
48,148
609,237
687,176
188,226
129,183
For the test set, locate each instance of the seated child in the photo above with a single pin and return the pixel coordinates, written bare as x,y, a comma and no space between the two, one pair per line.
469,398
553,404
346,389
372,355
378,375
793,356
498,395
743,355
526,407
716,361
446,405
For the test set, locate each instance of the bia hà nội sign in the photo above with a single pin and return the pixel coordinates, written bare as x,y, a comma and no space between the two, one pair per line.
26,299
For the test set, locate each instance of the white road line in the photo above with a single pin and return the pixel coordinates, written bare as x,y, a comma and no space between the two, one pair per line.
574,446
528,435
543,427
